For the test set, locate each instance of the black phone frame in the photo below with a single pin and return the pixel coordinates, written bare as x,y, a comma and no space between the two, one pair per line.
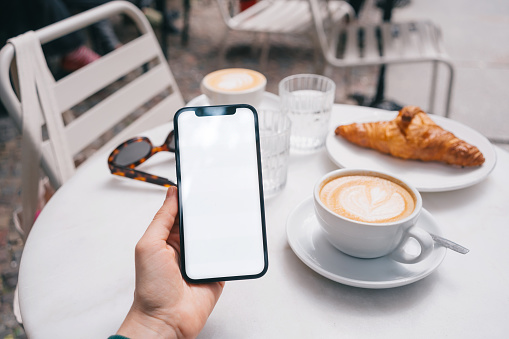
219,111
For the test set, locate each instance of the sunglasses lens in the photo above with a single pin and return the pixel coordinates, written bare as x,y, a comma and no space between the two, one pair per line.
132,153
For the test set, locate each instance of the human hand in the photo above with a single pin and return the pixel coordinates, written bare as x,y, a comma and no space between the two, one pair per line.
165,305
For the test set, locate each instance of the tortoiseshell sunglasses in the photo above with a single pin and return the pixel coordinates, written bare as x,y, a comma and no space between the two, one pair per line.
135,151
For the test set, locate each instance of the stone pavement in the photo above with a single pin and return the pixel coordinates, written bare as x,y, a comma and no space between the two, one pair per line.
474,34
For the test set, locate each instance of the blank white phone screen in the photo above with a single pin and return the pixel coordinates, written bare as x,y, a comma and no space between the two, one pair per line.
220,195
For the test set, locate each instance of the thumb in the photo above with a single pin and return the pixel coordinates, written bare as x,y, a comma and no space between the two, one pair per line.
160,227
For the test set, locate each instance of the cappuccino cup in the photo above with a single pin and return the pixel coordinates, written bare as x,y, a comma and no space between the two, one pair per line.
234,86
368,214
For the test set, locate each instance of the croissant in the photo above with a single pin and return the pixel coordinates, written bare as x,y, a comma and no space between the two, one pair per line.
413,135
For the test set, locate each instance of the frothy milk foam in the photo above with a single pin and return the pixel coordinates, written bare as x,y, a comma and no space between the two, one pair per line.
234,79
367,199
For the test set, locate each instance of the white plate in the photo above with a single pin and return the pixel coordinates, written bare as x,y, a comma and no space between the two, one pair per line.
269,101
309,244
425,176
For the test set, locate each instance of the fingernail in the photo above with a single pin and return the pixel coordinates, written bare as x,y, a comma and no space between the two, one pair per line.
171,191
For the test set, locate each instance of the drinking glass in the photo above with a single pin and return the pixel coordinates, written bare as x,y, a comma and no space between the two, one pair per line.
307,100
275,129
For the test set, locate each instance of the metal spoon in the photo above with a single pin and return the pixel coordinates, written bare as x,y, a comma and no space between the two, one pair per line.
449,244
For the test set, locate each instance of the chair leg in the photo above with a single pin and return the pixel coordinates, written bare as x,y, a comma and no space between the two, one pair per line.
15,307
256,47
325,69
318,61
431,104
161,6
221,54
449,89
380,87
348,81
264,53
185,30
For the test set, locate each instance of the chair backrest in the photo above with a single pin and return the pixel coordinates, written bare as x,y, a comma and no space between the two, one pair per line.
356,44
141,58
328,25
232,14
279,16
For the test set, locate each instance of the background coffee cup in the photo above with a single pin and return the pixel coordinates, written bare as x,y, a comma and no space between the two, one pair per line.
367,239
234,86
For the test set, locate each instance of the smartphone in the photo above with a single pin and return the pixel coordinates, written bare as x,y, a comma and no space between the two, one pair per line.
221,210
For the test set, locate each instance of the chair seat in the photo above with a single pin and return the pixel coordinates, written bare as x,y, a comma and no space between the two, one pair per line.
293,16
387,43
279,17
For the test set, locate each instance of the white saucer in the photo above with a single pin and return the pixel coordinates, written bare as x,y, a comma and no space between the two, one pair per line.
270,101
309,244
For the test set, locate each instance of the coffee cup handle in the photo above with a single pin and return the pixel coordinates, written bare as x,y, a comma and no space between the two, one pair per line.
425,241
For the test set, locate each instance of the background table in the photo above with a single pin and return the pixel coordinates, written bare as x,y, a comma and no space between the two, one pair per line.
77,270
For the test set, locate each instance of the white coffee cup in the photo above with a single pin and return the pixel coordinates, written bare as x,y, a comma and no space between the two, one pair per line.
383,226
234,86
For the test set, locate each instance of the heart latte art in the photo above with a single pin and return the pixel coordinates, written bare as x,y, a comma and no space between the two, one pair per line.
234,80
367,199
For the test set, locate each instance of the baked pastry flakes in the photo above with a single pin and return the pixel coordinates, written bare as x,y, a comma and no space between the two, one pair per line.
413,135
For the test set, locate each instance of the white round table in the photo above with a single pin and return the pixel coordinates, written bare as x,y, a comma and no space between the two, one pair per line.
77,271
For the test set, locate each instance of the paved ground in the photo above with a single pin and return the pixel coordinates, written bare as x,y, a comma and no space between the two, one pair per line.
475,34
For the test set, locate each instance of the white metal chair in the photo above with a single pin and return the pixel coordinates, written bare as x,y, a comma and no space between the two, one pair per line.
275,17
153,81
82,84
354,44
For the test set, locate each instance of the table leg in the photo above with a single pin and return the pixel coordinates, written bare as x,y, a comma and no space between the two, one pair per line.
378,101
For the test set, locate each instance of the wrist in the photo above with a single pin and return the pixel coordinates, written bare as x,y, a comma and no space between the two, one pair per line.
140,325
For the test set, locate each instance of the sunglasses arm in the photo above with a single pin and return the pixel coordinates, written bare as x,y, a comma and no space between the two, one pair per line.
140,176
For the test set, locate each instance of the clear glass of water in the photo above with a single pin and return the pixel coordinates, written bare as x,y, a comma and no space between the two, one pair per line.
275,129
307,100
